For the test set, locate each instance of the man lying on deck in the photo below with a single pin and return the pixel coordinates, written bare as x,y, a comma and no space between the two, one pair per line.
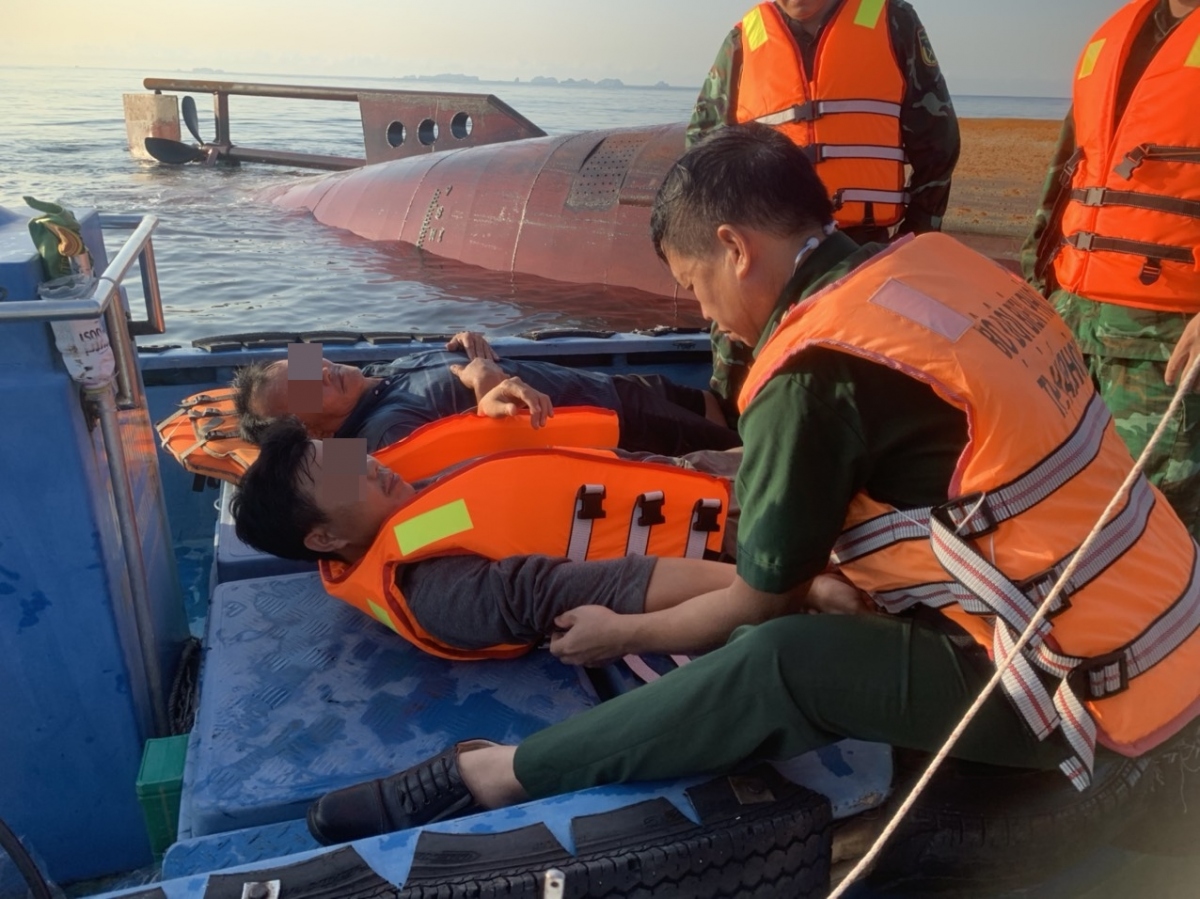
386,403
297,502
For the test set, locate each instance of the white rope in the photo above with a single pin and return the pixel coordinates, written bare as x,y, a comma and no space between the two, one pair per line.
867,860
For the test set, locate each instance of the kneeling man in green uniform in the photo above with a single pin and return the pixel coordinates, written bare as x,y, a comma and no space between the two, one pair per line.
922,420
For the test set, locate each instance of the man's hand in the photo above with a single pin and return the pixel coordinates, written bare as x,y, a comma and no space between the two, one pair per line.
589,635
479,375
1184,354
512,395
832,594
474,345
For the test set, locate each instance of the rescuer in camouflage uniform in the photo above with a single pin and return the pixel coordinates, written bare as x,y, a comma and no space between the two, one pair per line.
1127,349
927,122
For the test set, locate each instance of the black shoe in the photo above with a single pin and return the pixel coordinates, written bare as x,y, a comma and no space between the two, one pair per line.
430,791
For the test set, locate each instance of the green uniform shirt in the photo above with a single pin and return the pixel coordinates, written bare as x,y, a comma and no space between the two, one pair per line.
826,427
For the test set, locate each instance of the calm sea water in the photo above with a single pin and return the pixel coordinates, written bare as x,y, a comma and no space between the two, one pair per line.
230,263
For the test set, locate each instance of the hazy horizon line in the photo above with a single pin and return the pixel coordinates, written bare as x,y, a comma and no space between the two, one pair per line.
526,82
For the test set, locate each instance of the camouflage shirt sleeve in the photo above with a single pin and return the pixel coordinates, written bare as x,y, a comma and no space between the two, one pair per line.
928,125
714,107
1052,190
731,364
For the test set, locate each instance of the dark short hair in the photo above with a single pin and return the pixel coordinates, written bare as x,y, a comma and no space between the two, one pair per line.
272,512
249,383
749,175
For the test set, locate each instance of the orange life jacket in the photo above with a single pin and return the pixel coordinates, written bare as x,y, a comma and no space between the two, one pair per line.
581,504
1042,462
845,113
1131,228
434,447
203,437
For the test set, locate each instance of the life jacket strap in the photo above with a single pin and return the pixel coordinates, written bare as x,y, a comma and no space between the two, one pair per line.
1090,242
859,195
1102,676
810,111
1116,538
977,514
817,153
1070,167
1103,196
647,512
589,505
706,518
1139,154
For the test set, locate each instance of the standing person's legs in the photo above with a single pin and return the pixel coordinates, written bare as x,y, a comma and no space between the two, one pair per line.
659,416
776,691
1138,396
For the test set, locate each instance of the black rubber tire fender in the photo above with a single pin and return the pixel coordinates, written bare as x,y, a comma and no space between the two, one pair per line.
775,848
1170,825
1004,827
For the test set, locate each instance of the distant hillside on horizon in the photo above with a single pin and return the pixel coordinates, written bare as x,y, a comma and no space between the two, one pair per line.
538,81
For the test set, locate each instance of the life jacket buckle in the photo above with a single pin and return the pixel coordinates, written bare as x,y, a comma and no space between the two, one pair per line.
806,111
1132,160
968,516
1038,587
1081,240
706,516
1150,272
1094,196
1101,676
649,508
590,503
1070,167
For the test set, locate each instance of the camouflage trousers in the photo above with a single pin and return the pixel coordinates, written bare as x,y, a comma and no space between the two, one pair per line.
1138,396
1127,351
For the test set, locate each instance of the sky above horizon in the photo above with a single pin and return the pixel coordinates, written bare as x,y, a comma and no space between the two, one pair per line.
1001,47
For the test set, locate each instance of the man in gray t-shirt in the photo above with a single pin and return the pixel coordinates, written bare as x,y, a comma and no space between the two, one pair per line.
293,503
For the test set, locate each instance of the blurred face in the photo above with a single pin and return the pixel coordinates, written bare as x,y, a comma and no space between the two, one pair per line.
807,11
322,405
357,500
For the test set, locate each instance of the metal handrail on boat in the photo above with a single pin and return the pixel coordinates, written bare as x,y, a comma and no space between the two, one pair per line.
108,402
139,247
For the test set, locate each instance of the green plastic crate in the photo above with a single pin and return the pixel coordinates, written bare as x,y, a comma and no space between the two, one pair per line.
159,783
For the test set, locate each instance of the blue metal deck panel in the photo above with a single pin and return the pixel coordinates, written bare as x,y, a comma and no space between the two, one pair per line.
301,694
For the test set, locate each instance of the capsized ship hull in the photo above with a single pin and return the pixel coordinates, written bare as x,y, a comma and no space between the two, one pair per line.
571,208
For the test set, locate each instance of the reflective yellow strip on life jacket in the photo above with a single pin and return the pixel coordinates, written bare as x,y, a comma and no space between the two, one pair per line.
868,13
754,29
1193,59
1090,57
430,527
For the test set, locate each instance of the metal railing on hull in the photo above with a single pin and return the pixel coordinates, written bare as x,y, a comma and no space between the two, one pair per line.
122,393
395,123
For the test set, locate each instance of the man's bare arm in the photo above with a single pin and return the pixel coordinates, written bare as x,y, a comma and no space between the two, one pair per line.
594,634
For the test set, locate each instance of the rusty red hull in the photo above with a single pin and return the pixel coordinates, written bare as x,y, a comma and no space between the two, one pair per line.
571,208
